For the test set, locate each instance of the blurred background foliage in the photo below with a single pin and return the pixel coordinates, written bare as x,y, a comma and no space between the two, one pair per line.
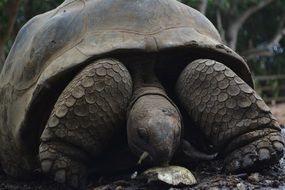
254,28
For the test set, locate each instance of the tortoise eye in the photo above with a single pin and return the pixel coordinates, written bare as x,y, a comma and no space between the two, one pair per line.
143,134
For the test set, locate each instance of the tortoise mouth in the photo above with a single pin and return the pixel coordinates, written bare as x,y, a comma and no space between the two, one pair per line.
153,158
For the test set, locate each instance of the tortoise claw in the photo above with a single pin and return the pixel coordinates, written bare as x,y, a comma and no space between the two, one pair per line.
62,168
256,155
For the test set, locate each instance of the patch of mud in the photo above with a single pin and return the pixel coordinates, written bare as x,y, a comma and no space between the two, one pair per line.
278,111
209,176
8,183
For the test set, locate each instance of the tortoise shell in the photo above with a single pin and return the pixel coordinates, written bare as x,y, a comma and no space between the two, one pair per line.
52,47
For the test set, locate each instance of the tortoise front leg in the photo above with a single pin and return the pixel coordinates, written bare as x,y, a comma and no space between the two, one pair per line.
232,116
88,113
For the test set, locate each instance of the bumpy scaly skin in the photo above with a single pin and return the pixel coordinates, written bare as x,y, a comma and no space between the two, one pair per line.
230,113
90,110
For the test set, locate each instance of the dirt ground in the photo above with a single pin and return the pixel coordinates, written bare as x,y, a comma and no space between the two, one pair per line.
209,176
278,111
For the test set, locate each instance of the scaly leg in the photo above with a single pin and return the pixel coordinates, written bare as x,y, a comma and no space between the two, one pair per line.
233,117
88,113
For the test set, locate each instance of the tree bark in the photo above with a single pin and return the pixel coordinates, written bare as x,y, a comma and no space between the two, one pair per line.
2,58
203,6
220,26
11,9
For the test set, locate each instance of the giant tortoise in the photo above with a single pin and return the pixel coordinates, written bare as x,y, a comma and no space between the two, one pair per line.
81,76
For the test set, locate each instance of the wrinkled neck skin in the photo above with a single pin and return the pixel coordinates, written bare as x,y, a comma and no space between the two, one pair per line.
154,123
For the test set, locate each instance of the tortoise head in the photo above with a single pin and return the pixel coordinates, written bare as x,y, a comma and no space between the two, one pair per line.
154,128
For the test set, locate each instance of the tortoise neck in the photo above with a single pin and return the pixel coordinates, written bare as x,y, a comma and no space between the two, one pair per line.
143,74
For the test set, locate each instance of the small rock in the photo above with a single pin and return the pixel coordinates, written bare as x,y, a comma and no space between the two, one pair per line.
241,186
172,175
134,175
119,188
214,188
276,183
105,187
121,183
268,182
254,177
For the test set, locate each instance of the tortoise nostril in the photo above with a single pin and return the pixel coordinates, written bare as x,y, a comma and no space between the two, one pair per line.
164,110
169,111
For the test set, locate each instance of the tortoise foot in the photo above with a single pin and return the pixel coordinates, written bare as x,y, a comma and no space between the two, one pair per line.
64,164
256,155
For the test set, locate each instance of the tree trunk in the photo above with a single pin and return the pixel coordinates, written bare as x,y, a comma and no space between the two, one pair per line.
203,6
233,30
2,58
